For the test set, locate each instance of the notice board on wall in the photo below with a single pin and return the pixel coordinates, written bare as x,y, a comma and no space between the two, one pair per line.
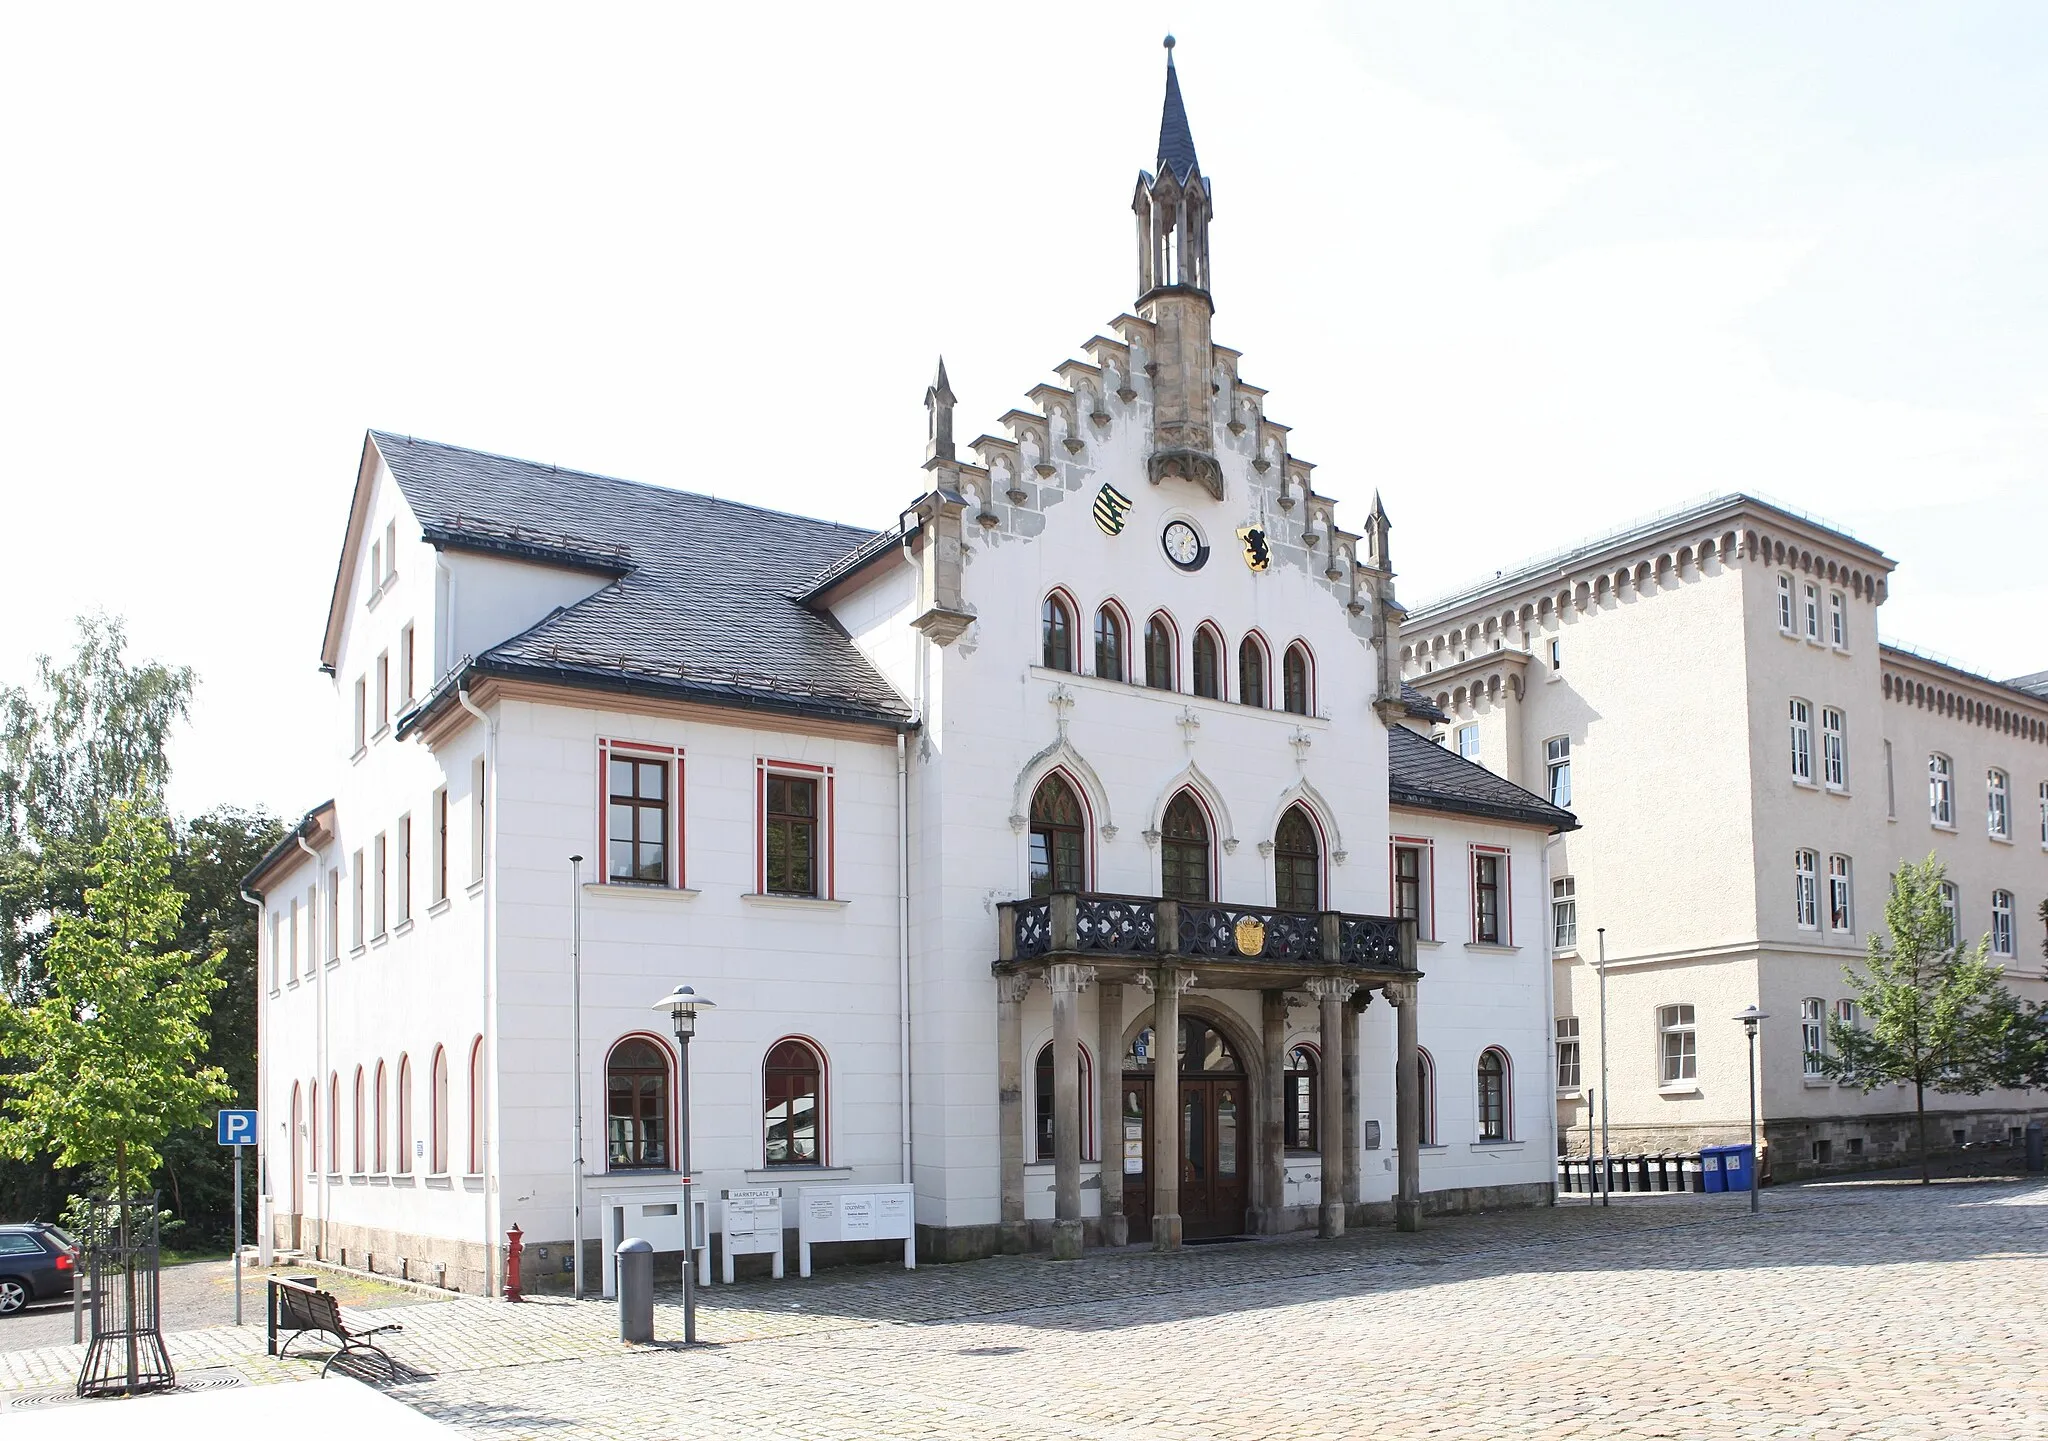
826,1214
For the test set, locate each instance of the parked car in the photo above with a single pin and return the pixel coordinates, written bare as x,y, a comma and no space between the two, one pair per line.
38,1262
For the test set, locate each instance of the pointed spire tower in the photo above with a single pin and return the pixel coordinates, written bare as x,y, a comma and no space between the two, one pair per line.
938,408
1173,209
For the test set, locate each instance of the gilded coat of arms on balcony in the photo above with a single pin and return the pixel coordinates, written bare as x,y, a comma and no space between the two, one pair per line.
1251,935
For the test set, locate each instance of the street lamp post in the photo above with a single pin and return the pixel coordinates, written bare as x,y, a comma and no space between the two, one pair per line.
682,1005
1750,1016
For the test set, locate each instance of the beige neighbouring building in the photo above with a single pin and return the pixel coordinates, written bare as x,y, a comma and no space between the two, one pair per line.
1707,693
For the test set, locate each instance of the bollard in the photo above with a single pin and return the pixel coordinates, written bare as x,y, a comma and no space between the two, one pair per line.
636,1290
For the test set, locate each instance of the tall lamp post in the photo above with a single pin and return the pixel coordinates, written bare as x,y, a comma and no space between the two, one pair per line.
682,1005
1750,1016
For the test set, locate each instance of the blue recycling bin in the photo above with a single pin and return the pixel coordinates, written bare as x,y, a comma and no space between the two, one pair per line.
1727,1168
1710,1169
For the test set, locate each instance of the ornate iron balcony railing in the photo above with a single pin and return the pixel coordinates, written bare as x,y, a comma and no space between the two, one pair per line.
1088,923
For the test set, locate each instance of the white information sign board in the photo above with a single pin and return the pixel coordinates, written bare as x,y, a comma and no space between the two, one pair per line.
856,1213
753,1226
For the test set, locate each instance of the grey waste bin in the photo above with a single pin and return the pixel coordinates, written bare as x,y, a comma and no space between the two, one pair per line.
636,1289
2037,1151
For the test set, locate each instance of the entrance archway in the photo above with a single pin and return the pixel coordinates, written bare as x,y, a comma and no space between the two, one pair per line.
1217,1126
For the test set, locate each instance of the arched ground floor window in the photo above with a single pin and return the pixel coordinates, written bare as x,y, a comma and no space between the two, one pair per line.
1495,1116
636,1086
1299,1097
793,1104
1042,1091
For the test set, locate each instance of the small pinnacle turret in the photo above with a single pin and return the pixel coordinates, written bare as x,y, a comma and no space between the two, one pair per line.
1173,209
938,406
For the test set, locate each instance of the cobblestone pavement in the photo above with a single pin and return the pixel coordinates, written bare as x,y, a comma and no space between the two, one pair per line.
1848,1310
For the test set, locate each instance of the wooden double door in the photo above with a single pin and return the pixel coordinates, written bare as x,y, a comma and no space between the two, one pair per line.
1215,1153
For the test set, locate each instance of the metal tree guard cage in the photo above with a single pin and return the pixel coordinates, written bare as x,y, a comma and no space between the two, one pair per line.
126,1354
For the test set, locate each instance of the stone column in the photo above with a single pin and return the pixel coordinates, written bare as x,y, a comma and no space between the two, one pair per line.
1165,1164
1109,1091
1333,992
1010,992
1272,1161
1352,1020
1066,982
1407,1108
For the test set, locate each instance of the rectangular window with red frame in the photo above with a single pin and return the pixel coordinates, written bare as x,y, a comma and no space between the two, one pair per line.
1490,922
794,804
641,787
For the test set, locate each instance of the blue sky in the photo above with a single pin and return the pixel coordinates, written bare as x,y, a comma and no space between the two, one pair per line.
1532,271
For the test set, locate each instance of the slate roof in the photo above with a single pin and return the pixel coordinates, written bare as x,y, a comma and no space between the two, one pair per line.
1176,141
701,603
2035,684
1424,776
1419,705
286,844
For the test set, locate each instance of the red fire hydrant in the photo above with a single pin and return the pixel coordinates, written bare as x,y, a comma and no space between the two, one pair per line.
514,1246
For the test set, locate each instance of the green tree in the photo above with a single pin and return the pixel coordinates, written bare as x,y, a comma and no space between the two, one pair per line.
94,730
110,1056
1933,1010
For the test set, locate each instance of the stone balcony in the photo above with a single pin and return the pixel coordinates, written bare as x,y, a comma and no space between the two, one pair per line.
1257,947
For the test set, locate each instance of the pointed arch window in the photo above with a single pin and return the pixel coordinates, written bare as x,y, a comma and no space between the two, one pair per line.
1251,672
1056,628
1294,691
1425,1098
333,1123
1159,653
361,1136
636,1106
1184,851
1208,664
1047,1113
1300,1113
1109,643
1058,838
792,1100
1297,863
378,1156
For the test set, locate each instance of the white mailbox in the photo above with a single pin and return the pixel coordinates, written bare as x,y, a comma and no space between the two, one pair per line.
656,1218
856,1213
753,1226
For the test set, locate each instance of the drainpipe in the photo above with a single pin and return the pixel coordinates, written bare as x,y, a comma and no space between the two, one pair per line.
903,949
489,1066
1548,923
263,1196
320,1046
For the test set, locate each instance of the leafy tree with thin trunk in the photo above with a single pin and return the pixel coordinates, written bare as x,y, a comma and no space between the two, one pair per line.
1931,1010
107,1064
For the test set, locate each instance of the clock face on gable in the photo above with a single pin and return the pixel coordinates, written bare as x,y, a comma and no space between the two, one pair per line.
1183,545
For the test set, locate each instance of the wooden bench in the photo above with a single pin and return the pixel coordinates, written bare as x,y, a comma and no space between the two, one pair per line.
298,1306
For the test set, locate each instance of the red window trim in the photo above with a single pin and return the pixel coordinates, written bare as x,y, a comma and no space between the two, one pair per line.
1507,1092
478,1122
1428,849
1123,619
1308,657
1300,803
668,1057
1268,677
1506,892
828,889
643,750
824,1097
1173,678
1226,658
1073,783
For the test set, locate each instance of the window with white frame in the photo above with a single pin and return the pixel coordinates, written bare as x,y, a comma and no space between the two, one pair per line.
1952,909
362,731
1802,742
1490,925
2002,932
383,693
1556,655
380,875
1564,913
390,551
1813,1034
1813,612
476,820
2044,813
438,861
334,913
278,966
361,877
1468,742
1805,889
1838,620
1998,805
641,812
1557,758
1941,790
404,896
1846,1016
1841,902
406,662
1834,749
1785,604
1567,1053
1678,1056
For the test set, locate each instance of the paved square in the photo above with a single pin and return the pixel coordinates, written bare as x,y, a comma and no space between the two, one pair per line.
1856,1310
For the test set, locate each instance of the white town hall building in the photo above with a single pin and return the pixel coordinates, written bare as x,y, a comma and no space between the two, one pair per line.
1104,741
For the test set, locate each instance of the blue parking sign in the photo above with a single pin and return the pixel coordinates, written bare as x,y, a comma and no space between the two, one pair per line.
236,1128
